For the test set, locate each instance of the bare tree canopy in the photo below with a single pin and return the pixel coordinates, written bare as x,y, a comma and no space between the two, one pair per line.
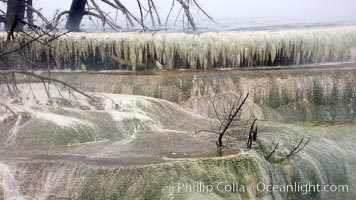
149,13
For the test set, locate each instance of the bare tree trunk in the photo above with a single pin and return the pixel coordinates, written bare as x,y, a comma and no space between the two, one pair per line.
76,13
29,12
15,9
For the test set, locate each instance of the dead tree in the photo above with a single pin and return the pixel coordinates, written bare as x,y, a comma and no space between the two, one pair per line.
226,118
15,10
20,10
226,124
252,136
76,14
19,41
91,8
29,11
16,44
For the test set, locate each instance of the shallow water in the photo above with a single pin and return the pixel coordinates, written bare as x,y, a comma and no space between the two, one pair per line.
116,168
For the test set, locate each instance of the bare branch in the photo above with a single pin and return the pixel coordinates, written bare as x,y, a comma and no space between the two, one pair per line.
305,144
188,14
37,38
39,14
128,14
104,17
151,13
111,4
203,11
44,78
169,13
59,16
154,7
272,152
141,13
296,149
226,122
252,136
212,101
